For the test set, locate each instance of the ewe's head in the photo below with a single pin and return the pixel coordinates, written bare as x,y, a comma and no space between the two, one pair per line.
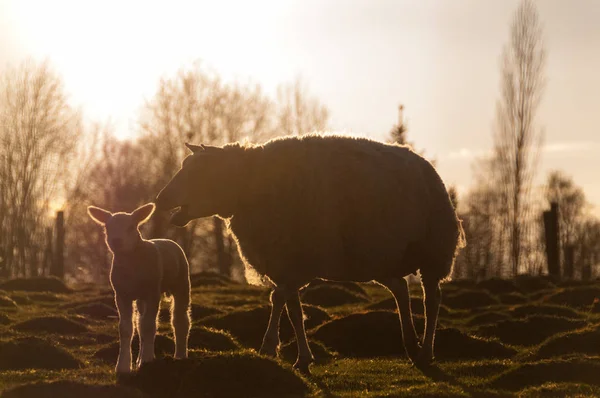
202,187
121,229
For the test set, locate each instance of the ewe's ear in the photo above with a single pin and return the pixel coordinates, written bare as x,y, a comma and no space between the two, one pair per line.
99,215
143,213
194,148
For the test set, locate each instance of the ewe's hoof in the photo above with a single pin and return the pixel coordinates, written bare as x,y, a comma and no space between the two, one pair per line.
303,368
424,360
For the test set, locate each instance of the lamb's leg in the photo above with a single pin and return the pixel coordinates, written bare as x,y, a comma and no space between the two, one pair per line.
294,310
147,329
432,299
125,308
180,321
399,289
271,338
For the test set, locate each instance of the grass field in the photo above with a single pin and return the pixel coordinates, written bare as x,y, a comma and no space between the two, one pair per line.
525,338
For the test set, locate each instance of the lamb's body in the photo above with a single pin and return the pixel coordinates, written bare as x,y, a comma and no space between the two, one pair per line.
327,207
141,271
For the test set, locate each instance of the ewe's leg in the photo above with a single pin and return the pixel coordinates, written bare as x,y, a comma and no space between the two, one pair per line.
147,329
125,308
399,289
271,338
180,321
294,310
432,299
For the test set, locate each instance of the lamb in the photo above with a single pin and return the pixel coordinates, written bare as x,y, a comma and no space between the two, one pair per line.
328,207
141,271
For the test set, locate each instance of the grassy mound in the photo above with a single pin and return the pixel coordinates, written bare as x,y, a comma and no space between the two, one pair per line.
289,352
197,312
584,341
560,390
45,297
526,310
50,324
71,389
350,286
7,303
331,296
556,371
513,298
529,331
416,305
529,283
21,299
34,353
578,297
163,346
96,310
219,375
248,326
4,319
487,318
498,286
452,344
595,307
211,339
39,284
469,299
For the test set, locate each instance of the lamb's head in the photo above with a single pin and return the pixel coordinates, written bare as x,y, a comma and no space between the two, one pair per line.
202,187
122,229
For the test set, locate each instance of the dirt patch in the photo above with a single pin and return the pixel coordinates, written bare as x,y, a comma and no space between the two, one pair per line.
96,310
50,324
163,346
585,341
248,326
555,371
331,296
531,330
487,318
513,298
578,297
524,311
219,375
71,389
211,339
34,353
469,299
289,352
498,286
39,284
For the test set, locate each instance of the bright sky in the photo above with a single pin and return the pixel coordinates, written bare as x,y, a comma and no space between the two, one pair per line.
361,57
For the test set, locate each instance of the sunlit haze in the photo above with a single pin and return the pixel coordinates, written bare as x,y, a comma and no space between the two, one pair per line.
362,58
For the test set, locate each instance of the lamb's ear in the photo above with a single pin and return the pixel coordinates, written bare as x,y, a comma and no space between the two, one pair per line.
143,213
99,215
194,148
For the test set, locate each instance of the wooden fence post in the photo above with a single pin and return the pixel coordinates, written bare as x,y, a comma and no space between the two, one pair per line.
58,265
551,229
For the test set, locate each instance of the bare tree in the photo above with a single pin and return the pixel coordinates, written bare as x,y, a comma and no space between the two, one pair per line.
297,112
517,140
39,131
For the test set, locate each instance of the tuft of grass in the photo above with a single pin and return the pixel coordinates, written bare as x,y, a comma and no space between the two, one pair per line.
556,371
469,299
331,296
560,390
219,375
34,353
50,324
531,330
486,318
578,297
584,341
513,298
211,339
39,284
524,311
452,344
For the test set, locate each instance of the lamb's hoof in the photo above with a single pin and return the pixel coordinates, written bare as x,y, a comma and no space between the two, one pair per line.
413,352
268,351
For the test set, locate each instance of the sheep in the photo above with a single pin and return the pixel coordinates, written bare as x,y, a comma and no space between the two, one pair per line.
326,207
141,271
